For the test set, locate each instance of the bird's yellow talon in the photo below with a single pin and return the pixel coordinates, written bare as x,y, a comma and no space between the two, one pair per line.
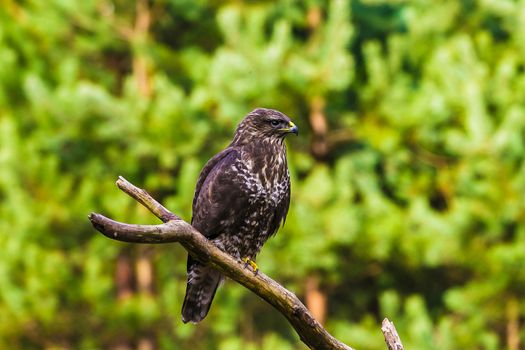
247,261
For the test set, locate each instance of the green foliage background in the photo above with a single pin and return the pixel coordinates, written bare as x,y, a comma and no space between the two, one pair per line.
414,210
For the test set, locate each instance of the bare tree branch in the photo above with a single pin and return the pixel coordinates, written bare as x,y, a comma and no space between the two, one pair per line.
391,337
146,200
174,229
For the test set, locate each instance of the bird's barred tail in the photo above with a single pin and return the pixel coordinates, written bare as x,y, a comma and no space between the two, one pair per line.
200,290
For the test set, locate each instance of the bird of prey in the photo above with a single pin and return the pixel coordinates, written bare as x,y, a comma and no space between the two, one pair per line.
241,197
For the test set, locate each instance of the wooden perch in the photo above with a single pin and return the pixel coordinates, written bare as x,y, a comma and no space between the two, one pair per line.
391,337
174,229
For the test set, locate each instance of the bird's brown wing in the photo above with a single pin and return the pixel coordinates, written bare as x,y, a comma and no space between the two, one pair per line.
219,206
207,169
282,209
219,201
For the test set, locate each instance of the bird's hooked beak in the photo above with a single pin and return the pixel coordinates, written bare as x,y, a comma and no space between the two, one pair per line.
293,129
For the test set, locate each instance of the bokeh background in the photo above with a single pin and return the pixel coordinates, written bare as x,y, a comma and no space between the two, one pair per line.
408,175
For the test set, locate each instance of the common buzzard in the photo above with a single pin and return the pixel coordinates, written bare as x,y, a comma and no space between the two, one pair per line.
241,197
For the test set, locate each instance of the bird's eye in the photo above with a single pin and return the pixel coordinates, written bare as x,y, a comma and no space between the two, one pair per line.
274,122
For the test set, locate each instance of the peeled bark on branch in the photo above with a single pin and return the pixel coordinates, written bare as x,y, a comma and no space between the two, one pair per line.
392,339
174,229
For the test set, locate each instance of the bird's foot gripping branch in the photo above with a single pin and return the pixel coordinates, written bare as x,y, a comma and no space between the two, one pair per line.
174,229
249,262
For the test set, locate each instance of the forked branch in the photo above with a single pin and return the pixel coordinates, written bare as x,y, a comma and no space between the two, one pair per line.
174,229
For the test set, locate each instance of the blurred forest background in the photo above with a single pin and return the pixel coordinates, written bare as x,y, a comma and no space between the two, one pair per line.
408,175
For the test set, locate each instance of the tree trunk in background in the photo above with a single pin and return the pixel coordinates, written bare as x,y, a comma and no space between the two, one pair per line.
145,344
142,76
124,276
124,289
319,145
513,327
140,35
144,271
315,299
144,277
317,119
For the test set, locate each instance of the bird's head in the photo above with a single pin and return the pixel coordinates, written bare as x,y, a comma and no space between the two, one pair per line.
263,123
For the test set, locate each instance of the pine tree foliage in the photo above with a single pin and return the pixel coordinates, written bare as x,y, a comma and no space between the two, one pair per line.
408,176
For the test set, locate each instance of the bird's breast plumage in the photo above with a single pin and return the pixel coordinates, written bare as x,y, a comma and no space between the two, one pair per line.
267,181
264,181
